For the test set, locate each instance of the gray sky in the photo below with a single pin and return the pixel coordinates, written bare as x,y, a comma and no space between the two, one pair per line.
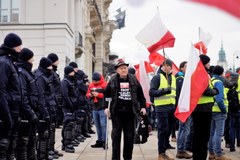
182,19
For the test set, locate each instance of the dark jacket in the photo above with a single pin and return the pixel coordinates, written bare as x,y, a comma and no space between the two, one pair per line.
70,96
156,92
137,96
179,82
47,103
10,92
97,102
29,91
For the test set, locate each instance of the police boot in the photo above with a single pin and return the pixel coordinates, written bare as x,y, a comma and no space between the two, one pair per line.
67,137
4,143
42,148
78,127
31,151
21,150
11,149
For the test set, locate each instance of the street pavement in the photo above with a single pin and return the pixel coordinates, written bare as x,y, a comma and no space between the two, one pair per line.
147,151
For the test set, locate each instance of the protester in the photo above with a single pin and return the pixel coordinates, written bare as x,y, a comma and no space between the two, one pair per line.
163,90
184,128
127,100
202,116
219,115
96,100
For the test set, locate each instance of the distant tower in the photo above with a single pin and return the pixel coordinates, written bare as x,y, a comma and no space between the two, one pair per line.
222,58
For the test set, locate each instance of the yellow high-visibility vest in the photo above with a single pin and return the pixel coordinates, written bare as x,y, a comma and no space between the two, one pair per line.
167,98
206,99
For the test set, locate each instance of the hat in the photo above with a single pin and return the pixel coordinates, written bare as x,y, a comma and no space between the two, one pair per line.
96,76
73,64
25,54
45,62
167,62
218,70
120,62
53,57
68,70
131,70
12,40
205,59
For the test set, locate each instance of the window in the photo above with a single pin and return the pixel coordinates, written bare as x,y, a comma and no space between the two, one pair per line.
9,11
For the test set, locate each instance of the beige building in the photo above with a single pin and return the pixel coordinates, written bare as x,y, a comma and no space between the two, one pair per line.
76,30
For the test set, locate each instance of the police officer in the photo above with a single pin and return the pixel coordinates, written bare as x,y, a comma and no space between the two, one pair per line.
70,103
58,95
47,106
10,96
26,145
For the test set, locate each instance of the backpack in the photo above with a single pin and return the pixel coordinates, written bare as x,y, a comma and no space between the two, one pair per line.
233,101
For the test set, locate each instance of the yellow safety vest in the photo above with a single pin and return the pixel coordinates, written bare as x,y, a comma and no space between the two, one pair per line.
215,107
167,98
238,88
206,99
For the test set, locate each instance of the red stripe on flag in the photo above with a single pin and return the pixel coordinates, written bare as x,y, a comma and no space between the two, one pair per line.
230,6
167,41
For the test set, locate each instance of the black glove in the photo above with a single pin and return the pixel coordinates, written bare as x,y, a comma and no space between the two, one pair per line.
215,91
166,90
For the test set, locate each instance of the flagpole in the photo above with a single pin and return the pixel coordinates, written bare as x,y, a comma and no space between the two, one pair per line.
164,55
200,50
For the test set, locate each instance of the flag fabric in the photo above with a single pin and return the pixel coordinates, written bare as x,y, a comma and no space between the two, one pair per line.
155,36
143,69
120,18
205,39
230,6
195,82
157,59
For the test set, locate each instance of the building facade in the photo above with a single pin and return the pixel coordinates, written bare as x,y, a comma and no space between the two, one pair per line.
222,58
76,30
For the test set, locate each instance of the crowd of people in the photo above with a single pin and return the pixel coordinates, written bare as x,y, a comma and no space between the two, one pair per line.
34,103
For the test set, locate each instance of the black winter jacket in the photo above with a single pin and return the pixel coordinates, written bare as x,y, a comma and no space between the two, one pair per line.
29,91
10,92
137,96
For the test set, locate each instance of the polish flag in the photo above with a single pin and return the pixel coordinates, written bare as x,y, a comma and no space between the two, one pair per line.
195,82
143,71
205,39
157,59
229,6
155,36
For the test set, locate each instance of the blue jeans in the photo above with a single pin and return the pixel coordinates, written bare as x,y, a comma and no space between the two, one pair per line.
100,121
183,132
234,128
216,132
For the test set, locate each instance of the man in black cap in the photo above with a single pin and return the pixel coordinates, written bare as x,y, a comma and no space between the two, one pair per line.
127,101
26,145
219,115
47,107
56,121
163,90
70,104
202,116
10,96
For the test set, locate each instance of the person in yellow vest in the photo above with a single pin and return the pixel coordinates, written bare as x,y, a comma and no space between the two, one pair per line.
219,115
202,116
163,90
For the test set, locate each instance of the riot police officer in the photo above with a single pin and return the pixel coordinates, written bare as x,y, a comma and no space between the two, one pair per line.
10,96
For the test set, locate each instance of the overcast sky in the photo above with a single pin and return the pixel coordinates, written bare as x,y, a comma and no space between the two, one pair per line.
182,19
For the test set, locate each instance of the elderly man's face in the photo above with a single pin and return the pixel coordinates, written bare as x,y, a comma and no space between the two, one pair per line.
122,71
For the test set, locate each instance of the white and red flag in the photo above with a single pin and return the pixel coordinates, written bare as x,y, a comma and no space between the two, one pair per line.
142,73
157,59
155,36
195,82
205,39
230,6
